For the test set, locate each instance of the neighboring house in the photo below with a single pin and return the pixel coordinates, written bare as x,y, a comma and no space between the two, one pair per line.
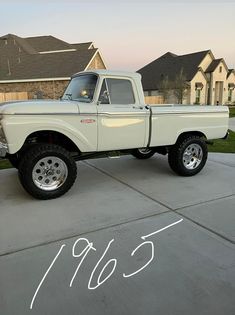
42,66
207,80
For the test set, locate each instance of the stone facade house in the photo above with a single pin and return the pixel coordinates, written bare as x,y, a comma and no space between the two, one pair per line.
41,67
207,81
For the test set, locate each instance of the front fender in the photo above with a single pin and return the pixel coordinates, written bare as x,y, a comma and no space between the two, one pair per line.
17,128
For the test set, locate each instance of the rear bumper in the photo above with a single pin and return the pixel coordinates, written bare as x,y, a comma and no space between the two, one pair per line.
3,149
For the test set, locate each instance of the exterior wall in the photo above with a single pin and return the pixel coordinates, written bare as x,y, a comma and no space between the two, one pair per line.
199,77
97,63
218,76
230,79
46,90
206,62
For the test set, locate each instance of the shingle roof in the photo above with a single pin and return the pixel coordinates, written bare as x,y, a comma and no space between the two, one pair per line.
230,71
213,65
20,58
47,43
55,65
170,65
20,42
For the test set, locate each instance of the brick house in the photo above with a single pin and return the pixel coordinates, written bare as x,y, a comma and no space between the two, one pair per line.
207,80
41,67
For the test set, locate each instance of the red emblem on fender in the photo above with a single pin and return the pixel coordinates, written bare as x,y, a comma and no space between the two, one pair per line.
87,121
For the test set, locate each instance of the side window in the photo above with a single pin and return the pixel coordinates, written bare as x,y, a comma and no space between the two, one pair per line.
104,94
116,91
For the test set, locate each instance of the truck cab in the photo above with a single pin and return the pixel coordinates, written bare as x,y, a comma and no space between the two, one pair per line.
113,103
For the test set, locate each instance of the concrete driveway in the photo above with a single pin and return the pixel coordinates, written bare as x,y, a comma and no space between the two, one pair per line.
130,237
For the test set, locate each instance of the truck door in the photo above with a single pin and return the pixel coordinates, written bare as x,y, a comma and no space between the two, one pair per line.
122,122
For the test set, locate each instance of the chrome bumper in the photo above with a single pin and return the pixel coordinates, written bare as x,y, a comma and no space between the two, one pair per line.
3,149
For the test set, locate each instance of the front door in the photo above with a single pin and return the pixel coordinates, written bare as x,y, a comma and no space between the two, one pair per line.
121,121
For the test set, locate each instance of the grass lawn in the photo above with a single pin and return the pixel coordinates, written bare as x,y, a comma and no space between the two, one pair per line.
232,112
224,146
5,164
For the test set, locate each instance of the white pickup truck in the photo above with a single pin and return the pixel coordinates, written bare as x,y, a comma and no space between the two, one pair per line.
102,112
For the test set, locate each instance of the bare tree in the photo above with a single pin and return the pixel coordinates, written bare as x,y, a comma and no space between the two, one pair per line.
180,86
164,88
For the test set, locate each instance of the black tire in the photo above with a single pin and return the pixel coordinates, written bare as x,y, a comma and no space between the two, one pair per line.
59,177
188,156
14,159
142,154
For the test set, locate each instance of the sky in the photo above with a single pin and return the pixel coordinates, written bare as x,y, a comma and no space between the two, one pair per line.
131,33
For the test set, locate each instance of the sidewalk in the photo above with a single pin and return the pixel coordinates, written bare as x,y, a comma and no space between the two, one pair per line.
232,123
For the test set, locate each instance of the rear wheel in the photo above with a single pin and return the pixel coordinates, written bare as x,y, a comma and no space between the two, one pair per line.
143,153
188,156
47,171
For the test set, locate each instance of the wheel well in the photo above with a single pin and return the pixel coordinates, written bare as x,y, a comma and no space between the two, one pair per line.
194,133
51,137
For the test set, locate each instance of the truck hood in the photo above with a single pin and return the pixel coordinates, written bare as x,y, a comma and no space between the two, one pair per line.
39,107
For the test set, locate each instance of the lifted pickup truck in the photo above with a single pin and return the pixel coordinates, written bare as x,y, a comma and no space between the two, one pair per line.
102,112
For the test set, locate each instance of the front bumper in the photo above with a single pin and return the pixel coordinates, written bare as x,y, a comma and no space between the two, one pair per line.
3,149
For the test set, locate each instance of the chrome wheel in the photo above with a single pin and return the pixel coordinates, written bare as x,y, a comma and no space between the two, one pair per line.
50,173
192,156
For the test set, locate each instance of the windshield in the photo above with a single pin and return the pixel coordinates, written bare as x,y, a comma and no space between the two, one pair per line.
81,88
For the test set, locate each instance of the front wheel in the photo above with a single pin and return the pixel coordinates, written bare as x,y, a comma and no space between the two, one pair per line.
143,153
14,159
47,171
188,156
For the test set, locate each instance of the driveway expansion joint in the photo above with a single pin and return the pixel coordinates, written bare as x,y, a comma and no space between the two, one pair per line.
168,207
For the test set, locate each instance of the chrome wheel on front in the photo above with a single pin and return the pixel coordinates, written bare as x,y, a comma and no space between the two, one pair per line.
50,173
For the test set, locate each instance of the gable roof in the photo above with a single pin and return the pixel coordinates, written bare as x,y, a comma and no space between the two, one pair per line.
42,57
170,65
214,64
230,71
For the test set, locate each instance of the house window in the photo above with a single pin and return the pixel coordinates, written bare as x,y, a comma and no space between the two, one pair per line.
230,93
220,69
198,96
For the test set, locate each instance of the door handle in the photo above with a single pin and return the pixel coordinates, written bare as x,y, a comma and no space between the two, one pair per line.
138,107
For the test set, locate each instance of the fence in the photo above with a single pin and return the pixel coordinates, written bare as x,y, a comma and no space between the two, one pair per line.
13,96
16,96
154,100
